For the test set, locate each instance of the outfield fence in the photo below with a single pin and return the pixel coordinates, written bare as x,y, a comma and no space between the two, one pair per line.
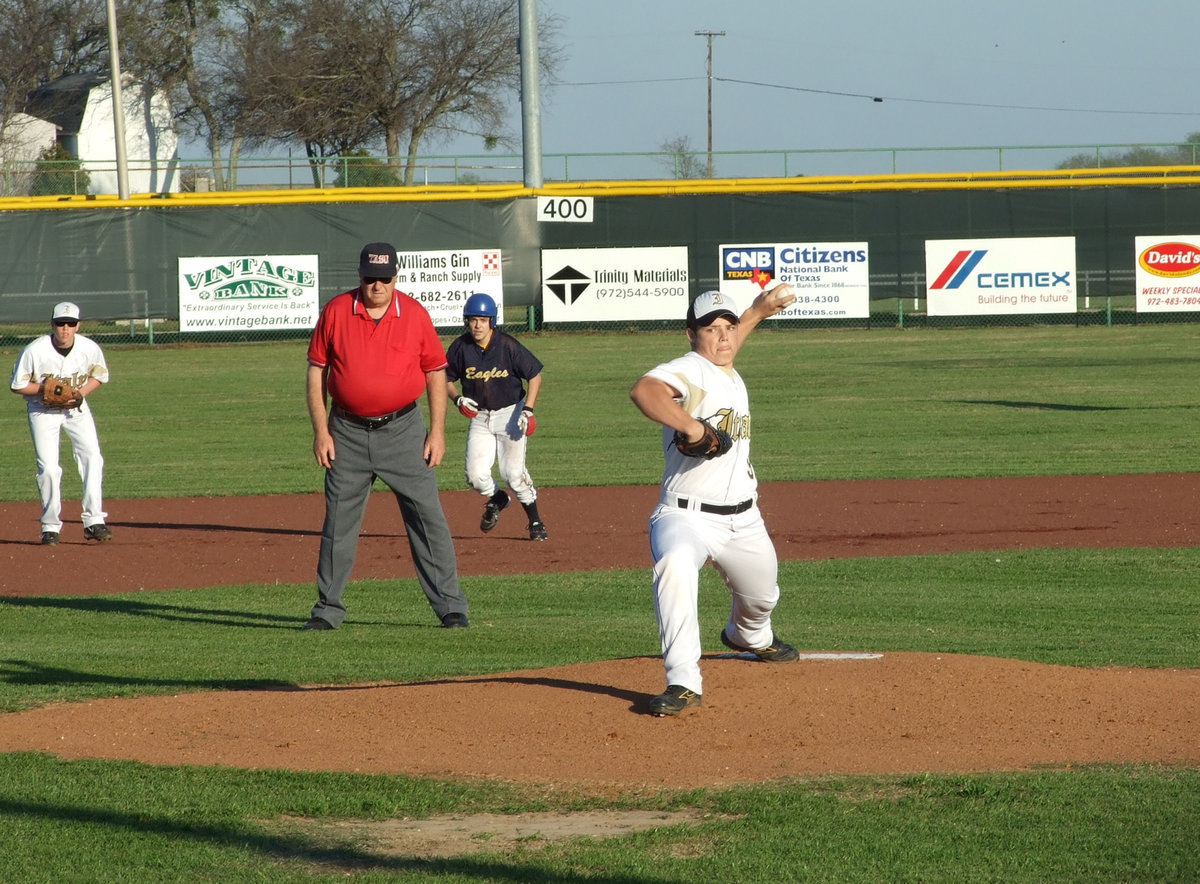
897,301
121,260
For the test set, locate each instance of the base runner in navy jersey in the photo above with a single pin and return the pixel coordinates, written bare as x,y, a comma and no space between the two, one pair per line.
500,382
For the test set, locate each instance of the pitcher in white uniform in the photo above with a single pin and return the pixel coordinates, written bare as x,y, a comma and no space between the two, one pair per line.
67,356
708,508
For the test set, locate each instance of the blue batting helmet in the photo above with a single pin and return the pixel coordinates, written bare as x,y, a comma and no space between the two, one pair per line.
480,304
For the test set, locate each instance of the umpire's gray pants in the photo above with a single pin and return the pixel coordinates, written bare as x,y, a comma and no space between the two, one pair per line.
394,453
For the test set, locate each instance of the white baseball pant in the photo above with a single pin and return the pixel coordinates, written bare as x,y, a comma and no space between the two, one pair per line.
492,436
45,428
681,540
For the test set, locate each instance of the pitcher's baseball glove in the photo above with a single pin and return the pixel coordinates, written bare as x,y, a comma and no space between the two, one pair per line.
59,394
713,443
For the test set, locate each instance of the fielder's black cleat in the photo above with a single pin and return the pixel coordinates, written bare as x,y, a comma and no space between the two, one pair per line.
537,531
491,510
673,701
776,652
100,533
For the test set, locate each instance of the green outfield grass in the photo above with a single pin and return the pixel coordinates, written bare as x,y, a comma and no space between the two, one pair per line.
200,421
827,404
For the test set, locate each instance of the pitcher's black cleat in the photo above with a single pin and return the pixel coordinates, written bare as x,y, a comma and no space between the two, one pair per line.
776,652
674,700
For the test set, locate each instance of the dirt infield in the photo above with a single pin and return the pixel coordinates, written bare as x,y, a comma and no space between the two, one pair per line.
585,724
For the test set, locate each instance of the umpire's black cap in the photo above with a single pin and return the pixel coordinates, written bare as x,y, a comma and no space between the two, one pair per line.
378,259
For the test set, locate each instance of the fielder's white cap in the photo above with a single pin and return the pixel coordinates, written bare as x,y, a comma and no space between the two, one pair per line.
708,307
66,310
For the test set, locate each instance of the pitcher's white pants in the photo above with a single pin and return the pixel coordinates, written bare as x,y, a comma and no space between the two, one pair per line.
45,428
492,436
741,550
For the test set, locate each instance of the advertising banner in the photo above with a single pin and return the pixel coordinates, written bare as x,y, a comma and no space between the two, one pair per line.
442,281
987,276
606,285
1167,275
830,280
246,293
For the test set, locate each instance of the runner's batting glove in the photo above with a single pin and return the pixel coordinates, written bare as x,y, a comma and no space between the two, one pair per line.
527,422
466,406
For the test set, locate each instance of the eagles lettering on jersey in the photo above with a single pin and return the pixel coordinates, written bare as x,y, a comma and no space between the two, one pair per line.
76,380
737,426
476,375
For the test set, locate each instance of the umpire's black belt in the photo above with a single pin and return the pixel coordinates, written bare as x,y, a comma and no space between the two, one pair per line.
374,423
729,510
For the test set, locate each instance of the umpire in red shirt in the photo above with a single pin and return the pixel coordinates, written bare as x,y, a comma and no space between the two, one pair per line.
373,352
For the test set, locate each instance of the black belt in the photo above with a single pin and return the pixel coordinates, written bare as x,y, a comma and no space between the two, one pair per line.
374,423
731,510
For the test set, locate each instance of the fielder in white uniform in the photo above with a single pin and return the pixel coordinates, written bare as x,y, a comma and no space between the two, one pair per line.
708,507
64,355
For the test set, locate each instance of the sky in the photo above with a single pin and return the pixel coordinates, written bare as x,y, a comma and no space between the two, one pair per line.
802,76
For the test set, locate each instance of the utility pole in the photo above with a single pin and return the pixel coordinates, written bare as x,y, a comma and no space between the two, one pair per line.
118,104
708,69
531,102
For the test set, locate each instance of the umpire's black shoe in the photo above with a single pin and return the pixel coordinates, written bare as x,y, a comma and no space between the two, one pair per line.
455,620
491,510
776,652
317,623
674,700
100,533
49,538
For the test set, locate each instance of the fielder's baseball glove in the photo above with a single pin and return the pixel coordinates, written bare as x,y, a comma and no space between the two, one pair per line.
713,443
59,394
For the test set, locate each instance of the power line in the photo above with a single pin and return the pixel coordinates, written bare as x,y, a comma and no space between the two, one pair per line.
882,98
636,82
1068,110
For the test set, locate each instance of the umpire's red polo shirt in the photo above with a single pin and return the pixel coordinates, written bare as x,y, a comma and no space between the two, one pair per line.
375,367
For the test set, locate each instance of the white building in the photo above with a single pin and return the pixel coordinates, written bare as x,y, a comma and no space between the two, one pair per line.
80,106
22,140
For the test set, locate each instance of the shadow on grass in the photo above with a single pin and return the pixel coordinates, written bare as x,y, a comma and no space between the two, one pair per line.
1041,406
273,849
131,608
28,672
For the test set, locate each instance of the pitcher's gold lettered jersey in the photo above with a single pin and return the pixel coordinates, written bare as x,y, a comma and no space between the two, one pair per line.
718,396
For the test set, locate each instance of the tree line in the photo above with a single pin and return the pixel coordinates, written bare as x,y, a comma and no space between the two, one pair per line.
344,78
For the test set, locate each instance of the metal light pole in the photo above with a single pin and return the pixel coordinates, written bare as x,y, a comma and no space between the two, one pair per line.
708,69
118,104
531,103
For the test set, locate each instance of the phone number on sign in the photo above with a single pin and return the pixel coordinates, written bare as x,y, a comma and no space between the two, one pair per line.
1173,302
674,291
818,299
449,297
